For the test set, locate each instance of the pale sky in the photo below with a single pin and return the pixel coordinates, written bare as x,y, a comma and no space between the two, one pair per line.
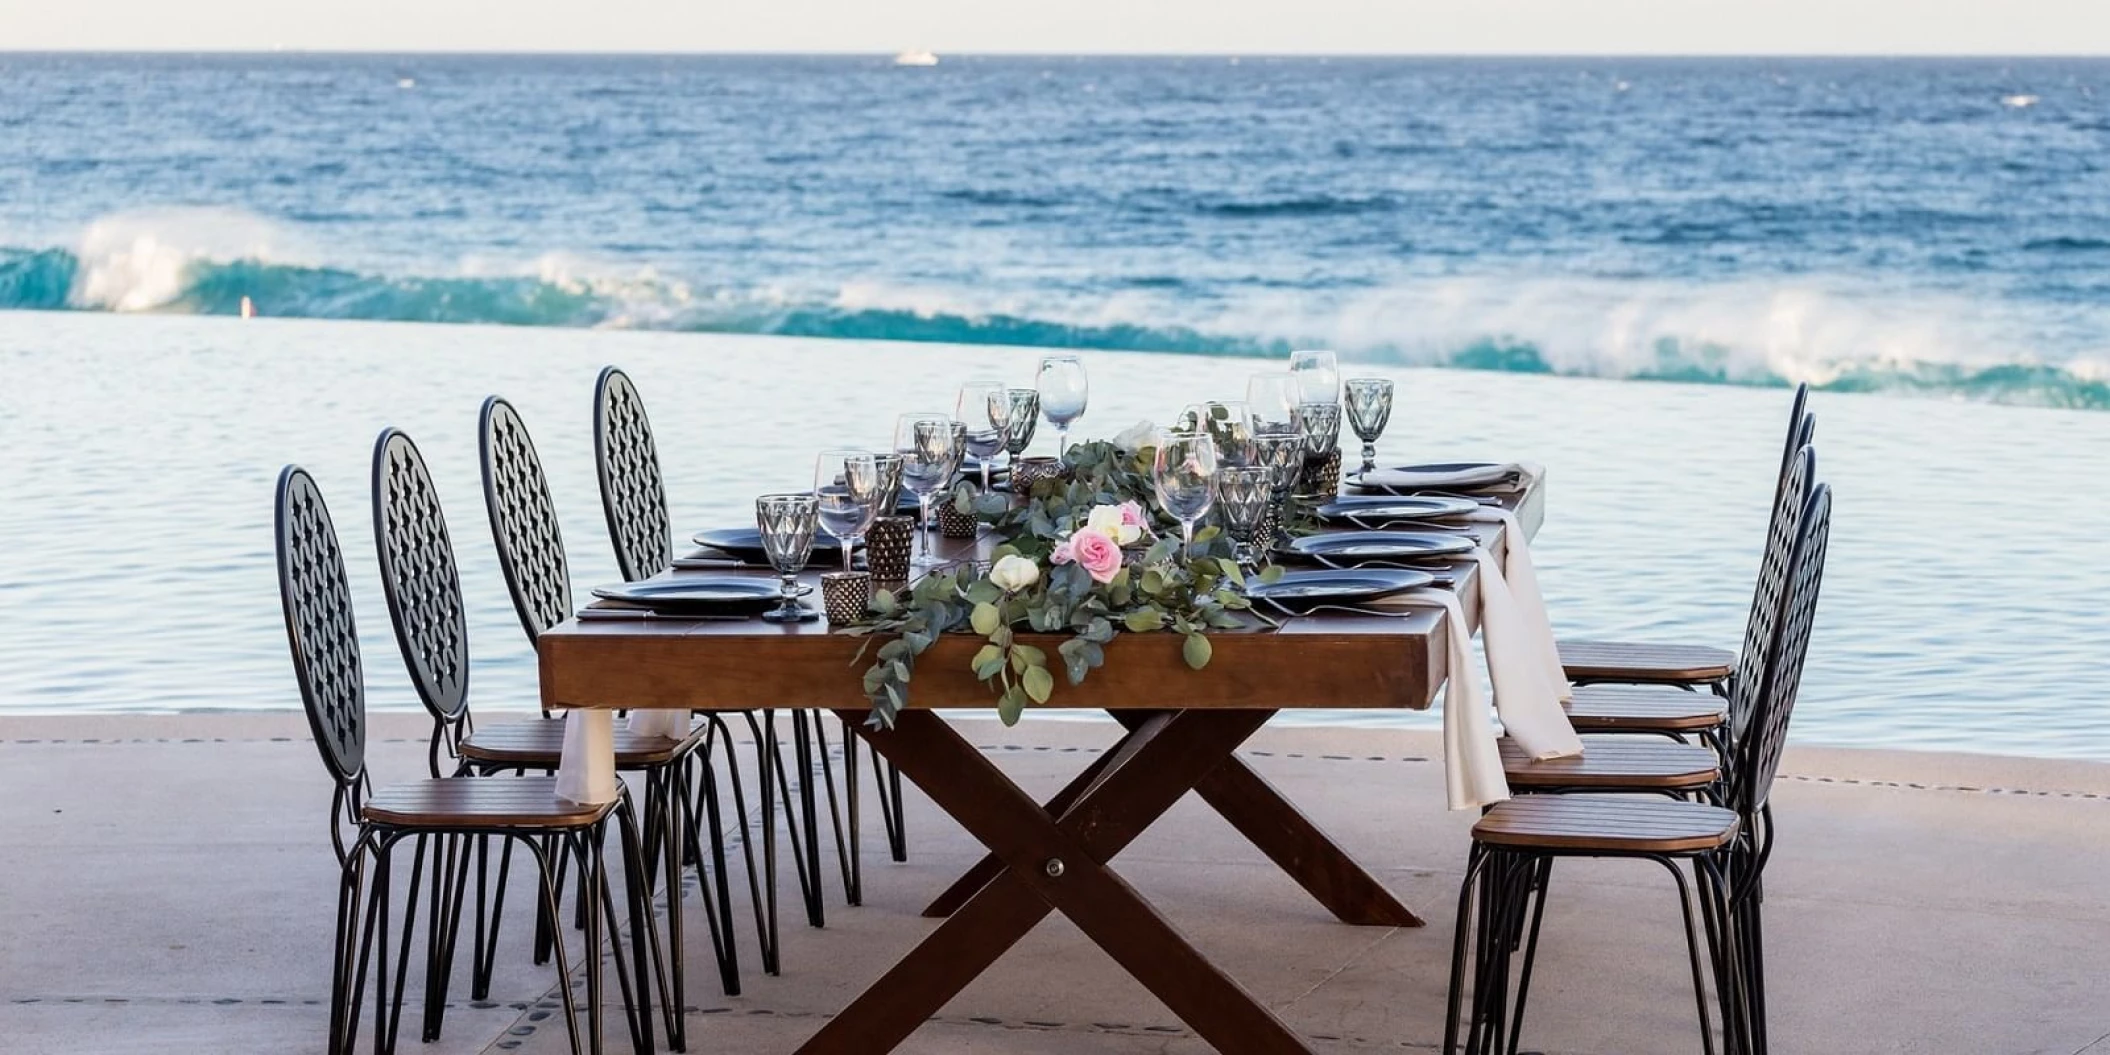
1860,27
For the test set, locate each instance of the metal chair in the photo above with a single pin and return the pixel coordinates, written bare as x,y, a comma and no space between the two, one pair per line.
437,815
1664,664
531,554
1516,843
633,498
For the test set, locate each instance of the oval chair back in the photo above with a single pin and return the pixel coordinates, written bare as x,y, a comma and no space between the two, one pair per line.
317,597
1780,682
632,492
523,520
1788,501
1801,427
423,587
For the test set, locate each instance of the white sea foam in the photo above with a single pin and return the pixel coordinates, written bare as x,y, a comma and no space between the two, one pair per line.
139,260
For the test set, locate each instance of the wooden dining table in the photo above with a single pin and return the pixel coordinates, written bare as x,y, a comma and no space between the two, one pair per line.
1182,728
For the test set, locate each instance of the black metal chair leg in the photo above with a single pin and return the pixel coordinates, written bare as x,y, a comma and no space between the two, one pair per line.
1541,874
897,818
1692,952
344,985
1721,934
487,952
385,1042
1461,942
846,853
806,852
763,891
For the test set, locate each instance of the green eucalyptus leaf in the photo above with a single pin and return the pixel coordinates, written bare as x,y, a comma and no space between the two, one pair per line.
1232,571
986,619
1034,655
1207,534
984,592
1011,705
1144,620
1038,683
884,602
1271,573
1100,630
1197,650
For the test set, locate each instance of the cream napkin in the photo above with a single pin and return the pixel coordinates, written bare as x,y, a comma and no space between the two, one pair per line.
1472,765
1490,479
668,724
586,771
1527,695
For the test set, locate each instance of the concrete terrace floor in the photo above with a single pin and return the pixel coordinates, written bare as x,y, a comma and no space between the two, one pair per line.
169,886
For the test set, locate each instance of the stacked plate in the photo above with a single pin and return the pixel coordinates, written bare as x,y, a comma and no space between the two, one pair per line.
1302,590
1349,548
1438,476
698,595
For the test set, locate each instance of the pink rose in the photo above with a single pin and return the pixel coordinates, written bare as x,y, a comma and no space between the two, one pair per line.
1099,555
1132,515
1062,554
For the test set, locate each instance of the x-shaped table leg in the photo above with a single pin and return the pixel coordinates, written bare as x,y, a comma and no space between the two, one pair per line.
1058,863
1264,817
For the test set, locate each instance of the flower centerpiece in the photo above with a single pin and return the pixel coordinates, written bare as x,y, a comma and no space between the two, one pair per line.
1082,554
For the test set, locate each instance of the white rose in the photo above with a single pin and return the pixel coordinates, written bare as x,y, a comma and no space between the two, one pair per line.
1138,436
1014,573
1108,521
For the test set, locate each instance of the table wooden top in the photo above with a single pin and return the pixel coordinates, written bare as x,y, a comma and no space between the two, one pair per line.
1318,661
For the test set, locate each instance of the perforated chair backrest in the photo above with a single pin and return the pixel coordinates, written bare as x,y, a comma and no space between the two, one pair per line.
1801,427
523,519
632,492
1788,501
1780,678
419,577
317,597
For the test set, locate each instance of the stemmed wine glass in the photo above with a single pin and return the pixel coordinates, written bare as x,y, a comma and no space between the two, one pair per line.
847,482
1243,494
1064,391
889,497
1226,422
1271,400
928,460
1368,401
786,523
1184,476
984,407
1024,418
1318,376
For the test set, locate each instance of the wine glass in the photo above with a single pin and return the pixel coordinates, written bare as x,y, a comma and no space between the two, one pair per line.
924,442
786,523
889,497
1064,391
846,480
1227,423
1184,477
1025,416
1318,376
1271,399
1368,401
1281,452
1243,494
1321,425
984,407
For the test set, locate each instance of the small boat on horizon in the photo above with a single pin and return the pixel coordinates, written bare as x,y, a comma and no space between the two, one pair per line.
916,58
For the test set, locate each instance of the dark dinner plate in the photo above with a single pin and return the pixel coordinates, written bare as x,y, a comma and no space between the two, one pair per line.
1435,476
1299,590
1374,509
746,544
697,594
1354,547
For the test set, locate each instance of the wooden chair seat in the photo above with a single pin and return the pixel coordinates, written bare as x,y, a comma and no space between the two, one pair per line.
1644,709
539,743
1622,762
474,802
1606,824
1640,662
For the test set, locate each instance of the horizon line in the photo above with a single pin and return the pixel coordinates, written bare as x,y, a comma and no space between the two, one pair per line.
1023,54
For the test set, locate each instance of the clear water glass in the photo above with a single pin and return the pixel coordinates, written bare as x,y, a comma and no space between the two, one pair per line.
1226,422
889,497
984,407
1024,419
1184,476
1368,403
1271,400
1243,494
846,481
1318,376
1064,391
786,523
924,442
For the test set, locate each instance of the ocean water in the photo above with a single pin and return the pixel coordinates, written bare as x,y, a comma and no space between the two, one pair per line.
1609,266
1962,607
1929,225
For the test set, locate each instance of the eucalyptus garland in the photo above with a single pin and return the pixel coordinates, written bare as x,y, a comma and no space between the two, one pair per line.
1081,554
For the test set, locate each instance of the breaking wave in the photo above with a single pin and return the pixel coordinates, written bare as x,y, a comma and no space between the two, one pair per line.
1747,334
